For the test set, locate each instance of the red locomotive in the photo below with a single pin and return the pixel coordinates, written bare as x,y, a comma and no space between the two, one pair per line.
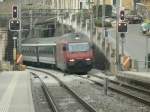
74,53
71,52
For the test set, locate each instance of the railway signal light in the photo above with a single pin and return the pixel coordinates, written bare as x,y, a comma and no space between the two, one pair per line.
122,27
122,15
14,12
14,25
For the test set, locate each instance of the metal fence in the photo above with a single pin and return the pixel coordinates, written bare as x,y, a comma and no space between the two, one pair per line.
141,65
143,10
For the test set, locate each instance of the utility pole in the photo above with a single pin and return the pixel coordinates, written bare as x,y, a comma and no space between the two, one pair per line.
91,20
117,36
89,4
103,20
122,44
97,7
103,15
147,52
62,24
91,28
43,3
19,32
14,53
81,14
31,22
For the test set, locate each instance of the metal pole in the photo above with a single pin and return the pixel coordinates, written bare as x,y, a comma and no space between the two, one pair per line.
81,15
43,3
97,7
146,54
103,16
103,19
31,22
64,4
117,36
14,38
106,86
14,53
91,26
62,25
122,46
89,4
91,21
19,32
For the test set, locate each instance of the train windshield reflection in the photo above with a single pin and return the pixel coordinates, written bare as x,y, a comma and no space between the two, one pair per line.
77,47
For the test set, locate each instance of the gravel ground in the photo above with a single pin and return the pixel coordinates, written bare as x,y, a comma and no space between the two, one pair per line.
94,95
111,103
64,101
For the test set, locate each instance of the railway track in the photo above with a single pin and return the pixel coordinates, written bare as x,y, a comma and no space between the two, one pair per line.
137,93
48,96
52,101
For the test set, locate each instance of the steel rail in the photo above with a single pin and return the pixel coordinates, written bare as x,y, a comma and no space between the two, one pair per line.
120,90
132,87
47,94
85,104
124,84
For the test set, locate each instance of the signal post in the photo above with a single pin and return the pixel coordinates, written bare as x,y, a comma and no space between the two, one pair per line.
14,26
121,29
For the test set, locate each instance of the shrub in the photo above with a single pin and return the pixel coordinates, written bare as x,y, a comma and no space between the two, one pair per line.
98,23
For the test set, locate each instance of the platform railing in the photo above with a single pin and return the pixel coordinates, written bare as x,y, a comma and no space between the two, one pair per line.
140,65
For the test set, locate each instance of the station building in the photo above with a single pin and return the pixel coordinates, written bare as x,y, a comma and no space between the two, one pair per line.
146,2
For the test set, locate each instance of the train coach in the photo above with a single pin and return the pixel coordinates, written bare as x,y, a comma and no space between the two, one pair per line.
71,52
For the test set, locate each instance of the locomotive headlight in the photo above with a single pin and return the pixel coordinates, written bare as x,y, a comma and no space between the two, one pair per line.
71,60
87,59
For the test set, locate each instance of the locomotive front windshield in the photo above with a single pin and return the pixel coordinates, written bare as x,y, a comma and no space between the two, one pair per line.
78,47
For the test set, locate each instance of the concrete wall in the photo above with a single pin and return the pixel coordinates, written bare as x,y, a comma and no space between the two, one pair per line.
128,4
146,2
3,43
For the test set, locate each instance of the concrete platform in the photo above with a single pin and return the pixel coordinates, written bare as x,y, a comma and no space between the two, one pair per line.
15,92
139,76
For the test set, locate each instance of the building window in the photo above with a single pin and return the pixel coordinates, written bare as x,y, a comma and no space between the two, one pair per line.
114,2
